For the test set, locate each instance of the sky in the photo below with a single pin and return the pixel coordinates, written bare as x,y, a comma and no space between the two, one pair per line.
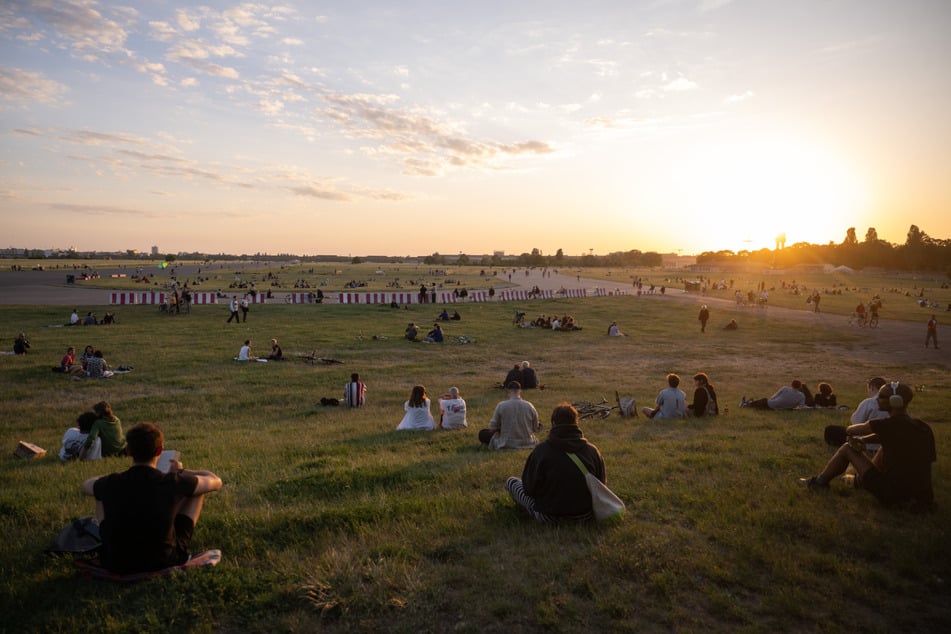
416,127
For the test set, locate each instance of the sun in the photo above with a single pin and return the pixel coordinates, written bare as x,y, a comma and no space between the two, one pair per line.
754,190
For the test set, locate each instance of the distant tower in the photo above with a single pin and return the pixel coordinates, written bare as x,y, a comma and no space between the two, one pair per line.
781,241
154,251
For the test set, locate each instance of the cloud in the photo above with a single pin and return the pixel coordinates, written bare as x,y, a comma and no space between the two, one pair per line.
324,193
681,84
432,143
77,25
101,210
713,5
732,99
18,85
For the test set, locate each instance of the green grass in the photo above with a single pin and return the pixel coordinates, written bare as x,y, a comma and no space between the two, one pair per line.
330,519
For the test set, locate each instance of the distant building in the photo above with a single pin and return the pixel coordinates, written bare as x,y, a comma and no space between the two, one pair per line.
154,251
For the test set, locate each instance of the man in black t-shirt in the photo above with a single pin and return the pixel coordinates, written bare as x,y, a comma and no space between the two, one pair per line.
900,472
146,517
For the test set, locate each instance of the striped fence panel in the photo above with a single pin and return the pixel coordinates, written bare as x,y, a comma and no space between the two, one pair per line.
152,297
124,297
204,298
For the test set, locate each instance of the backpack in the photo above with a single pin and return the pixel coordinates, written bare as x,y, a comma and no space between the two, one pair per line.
80,536
711,409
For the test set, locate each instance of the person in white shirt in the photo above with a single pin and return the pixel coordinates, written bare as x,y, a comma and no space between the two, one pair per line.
671,401
418,416
868,409
452,410
245,353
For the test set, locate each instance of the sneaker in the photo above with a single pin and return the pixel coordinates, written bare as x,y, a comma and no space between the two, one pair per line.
812,483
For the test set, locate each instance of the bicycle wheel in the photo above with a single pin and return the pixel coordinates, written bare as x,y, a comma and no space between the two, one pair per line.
873,322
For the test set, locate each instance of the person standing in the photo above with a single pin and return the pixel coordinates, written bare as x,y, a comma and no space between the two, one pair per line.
146,517
552,488
233,307
704,316
355,392
244,308
932,332
514,423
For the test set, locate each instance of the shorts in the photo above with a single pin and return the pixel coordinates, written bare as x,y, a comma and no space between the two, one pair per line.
184,530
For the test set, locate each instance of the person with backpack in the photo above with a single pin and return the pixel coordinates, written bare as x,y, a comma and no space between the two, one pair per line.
704,397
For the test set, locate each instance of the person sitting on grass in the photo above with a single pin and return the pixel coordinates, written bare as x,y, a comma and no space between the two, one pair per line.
452,410
435,335
786,397
529,377
825,397
245,354
108,427
21,344
146,517
732,325
412,332
67,364
276,353
704,397
418,416
671,401
355,391
552,488
514,422
900,472
614,331
97,368
75,438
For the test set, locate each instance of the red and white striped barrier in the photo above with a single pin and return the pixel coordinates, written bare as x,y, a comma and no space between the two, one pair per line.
601,292
478,296
299,298
126,297
152,297
204,298
257,298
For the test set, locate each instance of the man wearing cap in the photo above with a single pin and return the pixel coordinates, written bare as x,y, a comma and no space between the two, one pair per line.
514,423
552,488
900,472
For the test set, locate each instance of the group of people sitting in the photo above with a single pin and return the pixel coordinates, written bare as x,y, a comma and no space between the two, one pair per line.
90,319
98,434
671,402
245,353
552,322
433,336
91,364
796,395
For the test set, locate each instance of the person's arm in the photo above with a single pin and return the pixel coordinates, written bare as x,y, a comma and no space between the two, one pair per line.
207,481
89,484
93,434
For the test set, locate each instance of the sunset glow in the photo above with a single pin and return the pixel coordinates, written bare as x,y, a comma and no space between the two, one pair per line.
419,127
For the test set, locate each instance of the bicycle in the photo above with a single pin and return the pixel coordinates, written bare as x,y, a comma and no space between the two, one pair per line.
859,319
873,321
588,409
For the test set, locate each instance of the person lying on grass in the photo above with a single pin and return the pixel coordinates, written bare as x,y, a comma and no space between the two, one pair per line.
900,472
146,517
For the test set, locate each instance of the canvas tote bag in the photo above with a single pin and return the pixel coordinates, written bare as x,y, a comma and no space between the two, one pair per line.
604,503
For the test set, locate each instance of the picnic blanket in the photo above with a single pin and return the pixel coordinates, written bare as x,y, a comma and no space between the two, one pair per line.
92,569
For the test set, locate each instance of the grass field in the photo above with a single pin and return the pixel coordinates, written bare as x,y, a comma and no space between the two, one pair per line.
331,520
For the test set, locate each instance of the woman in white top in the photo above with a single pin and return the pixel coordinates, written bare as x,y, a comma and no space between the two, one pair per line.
417,415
